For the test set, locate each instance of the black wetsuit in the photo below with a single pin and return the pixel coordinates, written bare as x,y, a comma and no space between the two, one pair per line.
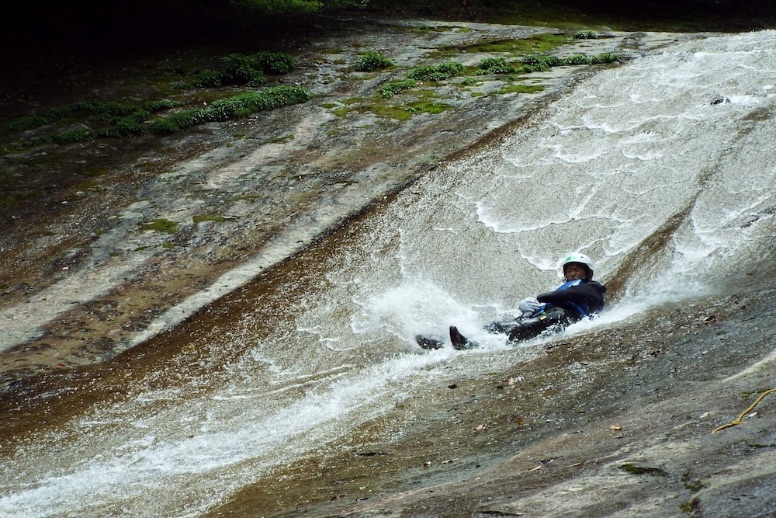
579,299
569,303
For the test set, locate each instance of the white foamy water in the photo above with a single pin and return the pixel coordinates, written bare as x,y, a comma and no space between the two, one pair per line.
683,136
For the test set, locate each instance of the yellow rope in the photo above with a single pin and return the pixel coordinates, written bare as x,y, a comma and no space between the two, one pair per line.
741,417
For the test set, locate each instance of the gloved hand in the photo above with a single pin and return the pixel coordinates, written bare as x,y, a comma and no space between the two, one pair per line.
529,306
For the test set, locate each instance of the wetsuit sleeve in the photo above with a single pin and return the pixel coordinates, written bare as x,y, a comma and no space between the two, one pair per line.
590,294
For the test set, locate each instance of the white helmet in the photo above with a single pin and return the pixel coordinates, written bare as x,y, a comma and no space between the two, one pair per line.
579,259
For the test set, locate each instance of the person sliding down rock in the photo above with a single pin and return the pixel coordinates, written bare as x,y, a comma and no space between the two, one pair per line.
578,297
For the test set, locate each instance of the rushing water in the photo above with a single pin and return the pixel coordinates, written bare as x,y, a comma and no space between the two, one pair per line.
661,169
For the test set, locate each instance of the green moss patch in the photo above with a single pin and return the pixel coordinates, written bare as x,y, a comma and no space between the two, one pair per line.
211,217
164,226
520,89
283,139
643,470
690,506
406,111
537,44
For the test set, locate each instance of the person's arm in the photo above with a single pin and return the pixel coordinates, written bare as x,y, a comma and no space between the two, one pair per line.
588,293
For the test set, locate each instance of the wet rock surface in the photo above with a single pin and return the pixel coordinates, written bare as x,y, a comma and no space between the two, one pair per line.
86,272
616,422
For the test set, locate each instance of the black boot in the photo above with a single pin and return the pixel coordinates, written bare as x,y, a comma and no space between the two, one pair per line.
459,341
429,343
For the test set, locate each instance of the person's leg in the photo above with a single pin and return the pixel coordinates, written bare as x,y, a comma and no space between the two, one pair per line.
428,342
516,330
527,329
459,341
533,327
504,327
520,328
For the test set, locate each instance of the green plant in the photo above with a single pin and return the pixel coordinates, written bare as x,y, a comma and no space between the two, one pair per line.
540,63
369,61
116,120
110,110
125,127
34,141
274,62
207,79
436,72
586,35
104,112
243,69
392,88
240,69
72,136
178,122
231,108
24,123
168,125
604,58
159,105
252,102
577,59
496,66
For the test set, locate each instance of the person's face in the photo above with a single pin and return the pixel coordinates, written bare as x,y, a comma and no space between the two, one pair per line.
574,272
